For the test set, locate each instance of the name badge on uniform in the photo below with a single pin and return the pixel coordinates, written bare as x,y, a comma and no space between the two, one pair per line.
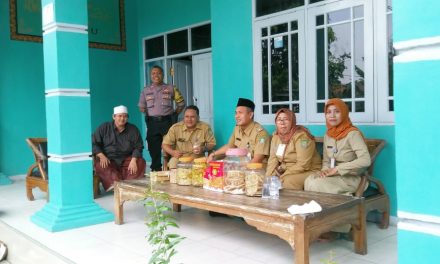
181,139
280,149
332,163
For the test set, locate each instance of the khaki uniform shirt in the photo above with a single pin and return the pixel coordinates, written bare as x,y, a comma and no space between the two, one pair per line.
300,155
254,138
182,139
158,99
350,153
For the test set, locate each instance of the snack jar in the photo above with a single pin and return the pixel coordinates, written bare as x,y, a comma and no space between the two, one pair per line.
198,171
254,179
235,167
184,170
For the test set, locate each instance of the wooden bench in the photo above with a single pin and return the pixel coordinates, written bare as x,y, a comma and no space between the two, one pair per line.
376,198
270,216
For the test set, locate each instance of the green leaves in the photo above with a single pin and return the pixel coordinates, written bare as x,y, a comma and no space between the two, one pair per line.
159,218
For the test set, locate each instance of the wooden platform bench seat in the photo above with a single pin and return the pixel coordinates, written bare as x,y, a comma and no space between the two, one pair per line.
270,216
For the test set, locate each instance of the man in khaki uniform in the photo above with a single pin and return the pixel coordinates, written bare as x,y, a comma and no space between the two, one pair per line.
189,137
247,134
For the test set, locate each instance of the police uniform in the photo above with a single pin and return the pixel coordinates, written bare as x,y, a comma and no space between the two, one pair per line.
298,159
254,138
183,139
351,159
159,116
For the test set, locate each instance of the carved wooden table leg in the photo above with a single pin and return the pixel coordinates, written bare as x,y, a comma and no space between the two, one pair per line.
360,231
302,241
177,207
119,210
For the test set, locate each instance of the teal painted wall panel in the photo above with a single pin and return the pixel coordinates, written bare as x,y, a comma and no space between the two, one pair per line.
22,109
417,247
78,191
68,127
231,61
417,135
414,20
74,73
114,80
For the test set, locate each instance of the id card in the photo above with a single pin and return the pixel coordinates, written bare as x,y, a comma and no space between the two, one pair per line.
332,163
280,150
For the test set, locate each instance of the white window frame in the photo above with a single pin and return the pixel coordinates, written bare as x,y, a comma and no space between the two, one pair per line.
312,114
166,58
258,93
376,64
381,63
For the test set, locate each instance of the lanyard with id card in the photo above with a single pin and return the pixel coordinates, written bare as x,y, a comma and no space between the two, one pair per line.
280,150
332,159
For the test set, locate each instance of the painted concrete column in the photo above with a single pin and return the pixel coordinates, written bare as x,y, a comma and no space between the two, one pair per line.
417,95
66,69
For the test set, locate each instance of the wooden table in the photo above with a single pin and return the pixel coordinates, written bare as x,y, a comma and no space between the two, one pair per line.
270,216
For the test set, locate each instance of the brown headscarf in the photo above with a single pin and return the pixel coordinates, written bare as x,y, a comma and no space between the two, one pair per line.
340,131
295,128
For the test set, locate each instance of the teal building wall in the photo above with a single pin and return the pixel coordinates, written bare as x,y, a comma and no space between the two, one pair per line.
114,80
417,67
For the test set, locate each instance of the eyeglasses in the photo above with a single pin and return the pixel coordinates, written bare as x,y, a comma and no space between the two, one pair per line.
282,120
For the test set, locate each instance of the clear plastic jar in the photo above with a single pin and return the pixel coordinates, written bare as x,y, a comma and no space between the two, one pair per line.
184,170
254,179
198,171
235,166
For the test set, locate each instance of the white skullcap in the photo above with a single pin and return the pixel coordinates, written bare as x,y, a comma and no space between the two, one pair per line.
120,110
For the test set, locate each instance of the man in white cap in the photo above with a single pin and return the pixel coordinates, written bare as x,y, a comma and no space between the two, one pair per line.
117,147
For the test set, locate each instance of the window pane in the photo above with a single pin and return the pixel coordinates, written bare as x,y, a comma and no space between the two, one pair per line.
320,64
265,109
177,42
294,25
320,20
295,108
339,61
391,105
390,56
279,69
265,71
295,66
320,107
389,5
264,32
358,11
201,37
154,48
275,108
265,7
314,1
359,106
338,15
359,59
281,28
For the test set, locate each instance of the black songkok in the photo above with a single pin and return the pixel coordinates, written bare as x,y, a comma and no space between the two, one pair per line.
246,102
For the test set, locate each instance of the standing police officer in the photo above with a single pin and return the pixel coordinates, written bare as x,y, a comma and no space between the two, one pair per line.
156,101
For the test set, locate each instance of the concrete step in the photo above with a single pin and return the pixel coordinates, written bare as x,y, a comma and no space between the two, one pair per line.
23,249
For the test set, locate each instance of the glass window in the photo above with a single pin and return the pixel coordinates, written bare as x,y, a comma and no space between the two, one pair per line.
265,7
177,42
315,1
154,48
201,37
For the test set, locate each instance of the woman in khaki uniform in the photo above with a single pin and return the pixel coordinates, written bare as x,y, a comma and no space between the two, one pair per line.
293,156
345,154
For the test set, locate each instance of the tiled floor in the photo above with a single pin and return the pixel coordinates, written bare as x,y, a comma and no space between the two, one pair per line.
208,240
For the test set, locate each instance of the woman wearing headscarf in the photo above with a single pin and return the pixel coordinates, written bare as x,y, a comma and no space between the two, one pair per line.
292,153
345,154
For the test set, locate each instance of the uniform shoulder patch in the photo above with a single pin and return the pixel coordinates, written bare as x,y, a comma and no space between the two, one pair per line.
305,143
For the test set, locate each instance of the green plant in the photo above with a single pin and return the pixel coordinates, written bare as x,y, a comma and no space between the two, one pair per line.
331,258
159,218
